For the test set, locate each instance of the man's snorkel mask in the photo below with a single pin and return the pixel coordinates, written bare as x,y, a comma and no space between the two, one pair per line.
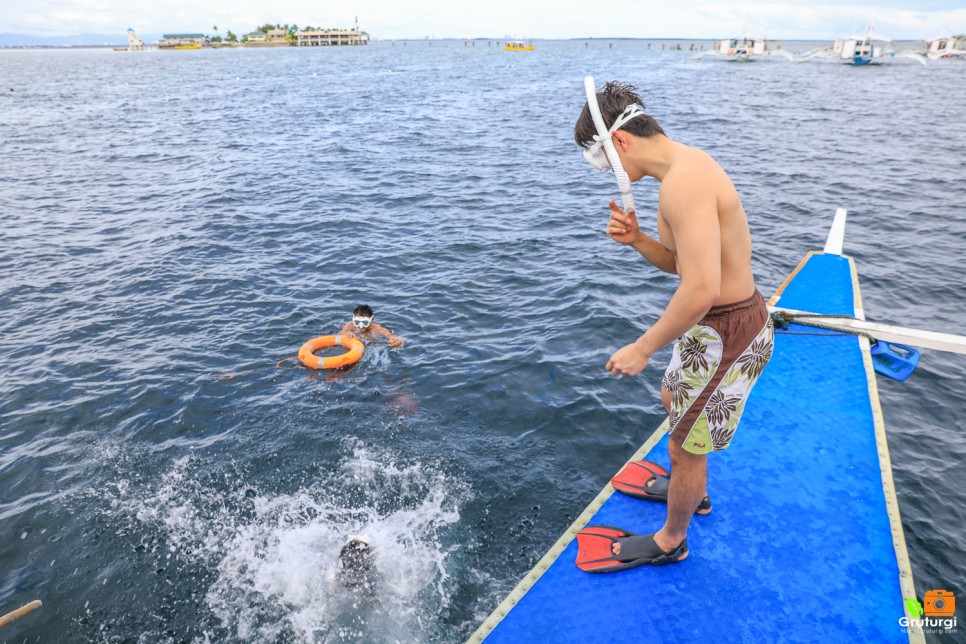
602,143
595,153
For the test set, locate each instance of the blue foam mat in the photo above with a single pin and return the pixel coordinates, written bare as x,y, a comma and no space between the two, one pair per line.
798,547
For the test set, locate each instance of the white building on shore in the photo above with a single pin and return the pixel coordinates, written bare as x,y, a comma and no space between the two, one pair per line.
331,37
133,42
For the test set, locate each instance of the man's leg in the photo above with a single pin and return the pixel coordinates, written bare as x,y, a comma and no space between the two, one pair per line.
686,489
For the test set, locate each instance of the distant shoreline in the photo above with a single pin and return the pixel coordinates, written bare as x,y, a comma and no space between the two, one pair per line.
427,39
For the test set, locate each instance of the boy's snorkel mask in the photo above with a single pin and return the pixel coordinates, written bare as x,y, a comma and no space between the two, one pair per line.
602,143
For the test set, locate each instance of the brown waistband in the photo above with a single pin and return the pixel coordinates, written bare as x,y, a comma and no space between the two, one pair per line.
735,308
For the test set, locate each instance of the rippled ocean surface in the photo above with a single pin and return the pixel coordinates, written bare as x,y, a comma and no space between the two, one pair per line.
173,218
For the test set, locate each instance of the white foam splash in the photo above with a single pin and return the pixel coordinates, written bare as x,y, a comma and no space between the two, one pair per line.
275,556
378,356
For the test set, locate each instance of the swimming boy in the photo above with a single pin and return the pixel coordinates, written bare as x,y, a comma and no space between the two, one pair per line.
356,560
719,319
363,327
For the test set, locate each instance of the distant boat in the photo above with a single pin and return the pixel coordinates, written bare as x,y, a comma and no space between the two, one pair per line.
181,41
741,50
862,50
859,50
518,45
946,47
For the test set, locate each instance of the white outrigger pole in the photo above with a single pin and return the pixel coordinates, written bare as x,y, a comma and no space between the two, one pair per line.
858,325
884,332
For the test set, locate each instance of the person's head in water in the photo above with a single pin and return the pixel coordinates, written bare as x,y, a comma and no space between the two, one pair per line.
363,326
613,100
362,317
356,559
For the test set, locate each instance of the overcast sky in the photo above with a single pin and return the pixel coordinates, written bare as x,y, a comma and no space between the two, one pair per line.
385,19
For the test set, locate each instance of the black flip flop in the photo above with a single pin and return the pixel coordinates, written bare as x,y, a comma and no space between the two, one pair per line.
646,480
595,550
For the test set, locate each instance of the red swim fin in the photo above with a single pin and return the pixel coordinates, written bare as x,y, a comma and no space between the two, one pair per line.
595,550
646,480
635,478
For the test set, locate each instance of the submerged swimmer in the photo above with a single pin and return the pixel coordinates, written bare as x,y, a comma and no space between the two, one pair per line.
356,558
363,327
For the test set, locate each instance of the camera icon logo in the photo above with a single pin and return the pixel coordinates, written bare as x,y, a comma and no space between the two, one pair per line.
939,603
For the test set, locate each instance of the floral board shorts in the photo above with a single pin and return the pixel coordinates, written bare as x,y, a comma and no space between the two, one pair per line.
712,370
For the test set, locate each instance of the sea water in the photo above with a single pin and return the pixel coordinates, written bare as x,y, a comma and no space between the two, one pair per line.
175,224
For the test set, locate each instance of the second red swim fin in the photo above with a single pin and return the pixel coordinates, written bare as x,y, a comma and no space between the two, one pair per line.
646,480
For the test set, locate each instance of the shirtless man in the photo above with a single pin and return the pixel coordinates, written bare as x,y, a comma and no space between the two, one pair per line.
718,318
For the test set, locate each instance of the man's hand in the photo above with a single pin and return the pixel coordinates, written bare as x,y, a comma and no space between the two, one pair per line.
622,227
628,361
395,341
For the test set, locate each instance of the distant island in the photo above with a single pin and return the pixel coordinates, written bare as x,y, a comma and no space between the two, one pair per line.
269,35
266,35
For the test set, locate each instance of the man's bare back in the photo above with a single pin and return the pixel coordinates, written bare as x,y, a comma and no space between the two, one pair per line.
695,171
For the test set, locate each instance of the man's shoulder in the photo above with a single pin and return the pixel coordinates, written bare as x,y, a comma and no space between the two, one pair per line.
689,175
695,160
694,171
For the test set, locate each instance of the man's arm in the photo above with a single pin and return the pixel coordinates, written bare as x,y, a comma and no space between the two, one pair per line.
655,252
381,330
623,228
348,328
693,218
394,340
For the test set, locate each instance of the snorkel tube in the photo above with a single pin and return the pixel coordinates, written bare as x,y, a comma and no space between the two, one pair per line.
623,182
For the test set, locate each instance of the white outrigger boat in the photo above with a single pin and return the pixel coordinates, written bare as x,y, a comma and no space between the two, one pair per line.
860,50
742,50
946,47
804,518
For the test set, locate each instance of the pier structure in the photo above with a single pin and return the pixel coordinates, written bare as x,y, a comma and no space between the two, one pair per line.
331,37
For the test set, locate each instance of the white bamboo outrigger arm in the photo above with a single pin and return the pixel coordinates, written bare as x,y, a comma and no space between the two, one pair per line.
883,332
836,234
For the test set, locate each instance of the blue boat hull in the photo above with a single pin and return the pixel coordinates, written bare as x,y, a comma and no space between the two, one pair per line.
800,544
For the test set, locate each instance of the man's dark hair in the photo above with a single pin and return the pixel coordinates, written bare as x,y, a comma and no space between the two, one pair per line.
357,570
356,554
364,310
613,100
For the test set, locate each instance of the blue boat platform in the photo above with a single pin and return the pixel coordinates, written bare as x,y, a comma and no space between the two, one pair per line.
805,542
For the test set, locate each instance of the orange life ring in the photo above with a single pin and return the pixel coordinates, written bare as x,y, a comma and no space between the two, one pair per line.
309,359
